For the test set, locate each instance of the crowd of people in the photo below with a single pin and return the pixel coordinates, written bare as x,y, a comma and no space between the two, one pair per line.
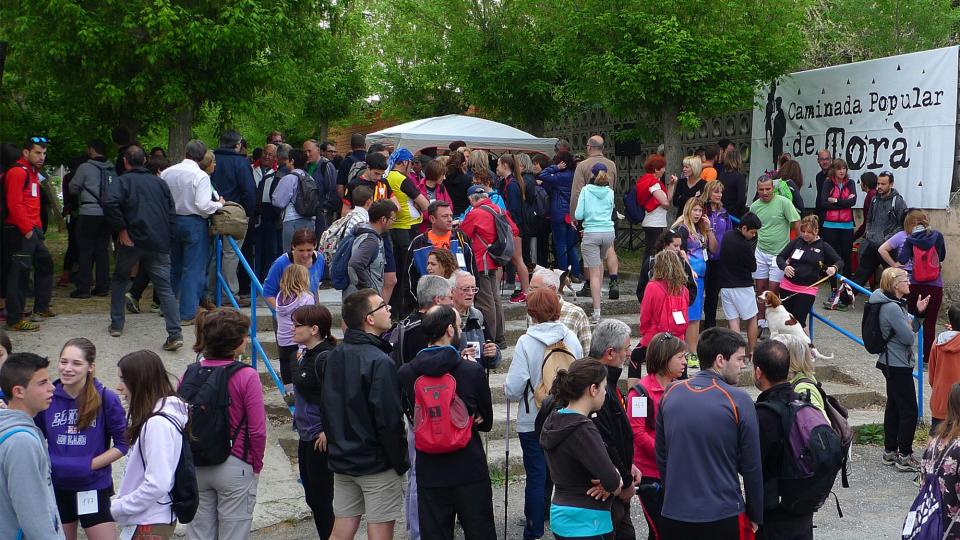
420,247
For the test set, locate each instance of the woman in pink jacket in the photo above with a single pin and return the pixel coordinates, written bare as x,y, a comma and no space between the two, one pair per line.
666,362
431,186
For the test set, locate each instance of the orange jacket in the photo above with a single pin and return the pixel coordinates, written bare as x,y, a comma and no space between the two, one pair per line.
944,370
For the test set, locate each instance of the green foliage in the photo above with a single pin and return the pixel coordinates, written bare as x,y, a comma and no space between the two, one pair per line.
843,31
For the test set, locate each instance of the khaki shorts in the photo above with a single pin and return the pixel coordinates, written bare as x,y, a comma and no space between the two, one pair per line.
377,496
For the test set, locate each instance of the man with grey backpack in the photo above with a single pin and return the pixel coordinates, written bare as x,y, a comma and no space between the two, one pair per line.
487,227
90,183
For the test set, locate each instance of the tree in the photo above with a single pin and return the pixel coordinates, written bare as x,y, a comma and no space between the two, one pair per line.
678,60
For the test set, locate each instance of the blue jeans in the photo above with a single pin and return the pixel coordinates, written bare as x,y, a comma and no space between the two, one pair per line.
535,464
188,263
266,248
565,248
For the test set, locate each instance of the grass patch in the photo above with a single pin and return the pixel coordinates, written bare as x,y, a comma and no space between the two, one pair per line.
872,434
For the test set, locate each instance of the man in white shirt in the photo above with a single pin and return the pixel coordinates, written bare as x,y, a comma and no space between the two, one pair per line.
194,202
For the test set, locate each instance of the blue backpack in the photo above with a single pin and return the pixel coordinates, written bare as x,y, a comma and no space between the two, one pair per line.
634,210
339,277
925,519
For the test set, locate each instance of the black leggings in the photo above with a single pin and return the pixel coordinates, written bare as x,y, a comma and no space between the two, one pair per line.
724,529
317,481
841,240
650,492
900,414
650,236
288,355
711,296
799,305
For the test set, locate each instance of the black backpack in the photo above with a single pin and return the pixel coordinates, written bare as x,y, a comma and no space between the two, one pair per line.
185,494
306,199
206,393
501,249
327,193
873,339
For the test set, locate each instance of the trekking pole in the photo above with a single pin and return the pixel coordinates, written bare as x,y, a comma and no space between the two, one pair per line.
506,472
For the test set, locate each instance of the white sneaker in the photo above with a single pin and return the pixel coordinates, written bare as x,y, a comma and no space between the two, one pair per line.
762,323
595,318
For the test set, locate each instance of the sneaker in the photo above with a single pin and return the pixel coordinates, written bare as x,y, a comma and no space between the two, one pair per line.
23,325
64,279
187,322
907,463
693,361
172,344
154,307
594,319
614,293
762,323
78,294
841,307
519,297
101,294
243,301
115,332
584,292
40,315
133,305
889,458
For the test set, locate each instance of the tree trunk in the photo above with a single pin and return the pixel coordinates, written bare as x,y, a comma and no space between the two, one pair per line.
670,124
324,130
178,135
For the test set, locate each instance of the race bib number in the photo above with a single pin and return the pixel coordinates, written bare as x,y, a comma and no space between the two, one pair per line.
461,260
34,190
638,407
797,254
87,502
678,317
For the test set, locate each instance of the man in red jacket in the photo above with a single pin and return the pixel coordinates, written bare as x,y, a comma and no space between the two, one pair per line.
481,230
23,238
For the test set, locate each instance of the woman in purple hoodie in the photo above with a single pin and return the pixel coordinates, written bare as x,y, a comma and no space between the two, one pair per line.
84,427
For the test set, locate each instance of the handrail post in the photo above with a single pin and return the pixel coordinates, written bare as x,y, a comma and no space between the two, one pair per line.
920,373
218,294
253,323
810,324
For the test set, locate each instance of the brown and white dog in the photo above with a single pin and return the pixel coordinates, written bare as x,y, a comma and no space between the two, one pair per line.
780,321
564,276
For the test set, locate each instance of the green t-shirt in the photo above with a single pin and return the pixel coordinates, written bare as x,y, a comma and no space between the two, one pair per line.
776,217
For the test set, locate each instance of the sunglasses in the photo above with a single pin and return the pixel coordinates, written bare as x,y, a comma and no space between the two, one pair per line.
40,140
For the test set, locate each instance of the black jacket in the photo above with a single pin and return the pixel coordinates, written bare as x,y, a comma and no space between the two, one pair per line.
469,464
734,192
140,202
233,179
772,442
306,377
614,426
362,409
814,259
737,260
646,274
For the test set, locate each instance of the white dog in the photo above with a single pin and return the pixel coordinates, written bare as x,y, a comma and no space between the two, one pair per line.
780,321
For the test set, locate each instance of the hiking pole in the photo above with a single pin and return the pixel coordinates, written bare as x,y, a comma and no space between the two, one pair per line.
506,473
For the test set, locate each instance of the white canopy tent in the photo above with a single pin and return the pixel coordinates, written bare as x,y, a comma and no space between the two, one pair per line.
440,131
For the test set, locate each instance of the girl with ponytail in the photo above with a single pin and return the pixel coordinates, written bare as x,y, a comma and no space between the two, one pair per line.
84,427
576,455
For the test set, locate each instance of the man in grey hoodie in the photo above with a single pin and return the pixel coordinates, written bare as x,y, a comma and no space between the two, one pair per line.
93,232
884,219
31,511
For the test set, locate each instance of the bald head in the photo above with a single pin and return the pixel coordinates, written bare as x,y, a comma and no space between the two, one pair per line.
595,145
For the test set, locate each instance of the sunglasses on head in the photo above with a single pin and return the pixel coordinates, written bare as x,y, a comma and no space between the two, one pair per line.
41,140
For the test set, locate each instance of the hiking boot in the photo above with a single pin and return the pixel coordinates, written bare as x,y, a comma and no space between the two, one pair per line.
80,295
133,305
518,297
595,319
115,332
172,343
23,325
889,458
188,322
907,463
40,315
693,361
584,292
101,294
614,293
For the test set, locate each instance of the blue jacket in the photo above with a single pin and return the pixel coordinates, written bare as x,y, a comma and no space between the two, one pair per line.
558,184
72,450
271,285
233,179
513,197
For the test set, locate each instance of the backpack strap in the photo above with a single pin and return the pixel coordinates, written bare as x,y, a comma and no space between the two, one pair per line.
7,434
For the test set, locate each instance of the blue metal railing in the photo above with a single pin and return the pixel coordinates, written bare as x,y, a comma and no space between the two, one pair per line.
918,374
256,290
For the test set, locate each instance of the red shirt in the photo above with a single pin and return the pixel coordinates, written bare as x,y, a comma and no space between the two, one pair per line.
22,186
480,228
658,309
644,433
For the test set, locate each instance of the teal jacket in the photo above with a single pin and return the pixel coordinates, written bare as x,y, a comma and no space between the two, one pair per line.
595,209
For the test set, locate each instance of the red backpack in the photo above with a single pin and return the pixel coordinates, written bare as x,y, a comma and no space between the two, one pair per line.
441,422
926,263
